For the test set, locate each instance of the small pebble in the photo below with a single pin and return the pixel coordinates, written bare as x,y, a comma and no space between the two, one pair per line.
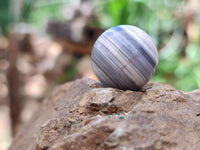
121,117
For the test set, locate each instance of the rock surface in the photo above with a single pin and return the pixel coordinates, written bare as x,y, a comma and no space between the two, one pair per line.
83,115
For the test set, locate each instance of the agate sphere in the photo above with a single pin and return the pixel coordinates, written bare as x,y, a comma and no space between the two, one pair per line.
124,57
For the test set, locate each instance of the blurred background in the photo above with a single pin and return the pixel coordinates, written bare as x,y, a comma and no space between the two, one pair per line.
44,43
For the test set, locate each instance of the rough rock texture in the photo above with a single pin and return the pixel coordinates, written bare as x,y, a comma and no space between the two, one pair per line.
83,115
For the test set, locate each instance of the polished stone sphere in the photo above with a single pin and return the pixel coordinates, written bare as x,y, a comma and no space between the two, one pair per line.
124,57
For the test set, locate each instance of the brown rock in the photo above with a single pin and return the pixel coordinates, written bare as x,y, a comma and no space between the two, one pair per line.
84,115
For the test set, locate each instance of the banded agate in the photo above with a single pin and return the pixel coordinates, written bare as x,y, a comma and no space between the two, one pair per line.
124,57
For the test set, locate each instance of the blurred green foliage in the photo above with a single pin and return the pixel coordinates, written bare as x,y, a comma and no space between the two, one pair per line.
155,17
179,58
5,15
45,12
34,12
